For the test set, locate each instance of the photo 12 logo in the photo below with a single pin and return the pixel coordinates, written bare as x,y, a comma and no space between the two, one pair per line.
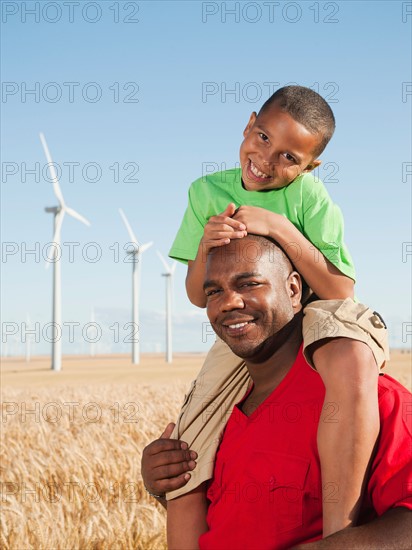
69,171
70,12
69,92
270,12
259,92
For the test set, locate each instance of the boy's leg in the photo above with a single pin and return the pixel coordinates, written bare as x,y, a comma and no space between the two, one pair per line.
346,342
220,384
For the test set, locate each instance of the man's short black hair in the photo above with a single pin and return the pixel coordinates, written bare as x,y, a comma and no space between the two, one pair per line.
308,108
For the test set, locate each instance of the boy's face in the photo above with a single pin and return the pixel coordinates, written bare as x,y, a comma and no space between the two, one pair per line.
276,150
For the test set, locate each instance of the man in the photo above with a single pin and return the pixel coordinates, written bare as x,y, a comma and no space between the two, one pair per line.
266,490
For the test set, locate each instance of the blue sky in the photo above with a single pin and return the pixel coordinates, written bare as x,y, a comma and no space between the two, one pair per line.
138,99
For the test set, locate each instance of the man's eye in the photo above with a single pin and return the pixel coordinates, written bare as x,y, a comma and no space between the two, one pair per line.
263,136
289,157
211,292
249,283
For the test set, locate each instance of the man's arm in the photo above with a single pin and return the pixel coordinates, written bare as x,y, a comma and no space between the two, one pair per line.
325,279
186,519
391,531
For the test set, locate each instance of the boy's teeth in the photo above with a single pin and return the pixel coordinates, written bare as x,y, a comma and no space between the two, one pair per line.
238,325
257,172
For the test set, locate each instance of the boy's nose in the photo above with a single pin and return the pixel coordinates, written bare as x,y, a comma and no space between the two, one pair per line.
268,162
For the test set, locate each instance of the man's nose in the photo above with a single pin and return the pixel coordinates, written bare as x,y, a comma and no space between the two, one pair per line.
232,300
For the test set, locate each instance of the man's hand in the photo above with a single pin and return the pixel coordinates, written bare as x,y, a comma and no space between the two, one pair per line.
166,463
259,220
221,229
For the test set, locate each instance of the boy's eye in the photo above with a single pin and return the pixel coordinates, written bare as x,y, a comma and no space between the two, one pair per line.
263,136
289,157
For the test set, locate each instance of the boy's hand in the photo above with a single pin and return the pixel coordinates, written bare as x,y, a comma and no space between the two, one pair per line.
259,220
165,463
220,229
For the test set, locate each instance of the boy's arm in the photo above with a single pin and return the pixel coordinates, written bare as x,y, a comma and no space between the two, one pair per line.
326,281
186,519
218,231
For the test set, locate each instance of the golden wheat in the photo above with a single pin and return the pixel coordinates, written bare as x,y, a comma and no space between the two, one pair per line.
70,467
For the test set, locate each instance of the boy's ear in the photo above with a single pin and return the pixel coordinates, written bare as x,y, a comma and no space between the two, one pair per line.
312,165
251,122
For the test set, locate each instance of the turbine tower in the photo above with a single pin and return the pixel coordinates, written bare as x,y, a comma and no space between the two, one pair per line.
169,275
58,212
136,254
28,338
92,351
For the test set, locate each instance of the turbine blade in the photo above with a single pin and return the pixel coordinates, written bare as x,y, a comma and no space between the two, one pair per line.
129,229
145,247
76,215
55,181
173,268
56,236
166,265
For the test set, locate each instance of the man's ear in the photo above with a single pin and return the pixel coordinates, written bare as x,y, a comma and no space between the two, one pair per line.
295,289
312,165
251,122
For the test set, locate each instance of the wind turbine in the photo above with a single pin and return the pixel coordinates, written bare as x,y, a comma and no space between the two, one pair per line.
28,338
136,253
169,274
58,212
92,351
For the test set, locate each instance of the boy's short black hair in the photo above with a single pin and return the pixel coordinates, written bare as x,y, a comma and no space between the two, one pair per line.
308,108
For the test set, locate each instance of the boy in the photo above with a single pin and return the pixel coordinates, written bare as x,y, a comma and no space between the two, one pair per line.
277,197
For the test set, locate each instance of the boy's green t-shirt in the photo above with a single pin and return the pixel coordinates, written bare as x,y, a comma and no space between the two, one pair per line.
305,202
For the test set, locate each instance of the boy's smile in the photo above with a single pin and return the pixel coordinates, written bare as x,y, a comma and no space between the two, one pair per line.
276,150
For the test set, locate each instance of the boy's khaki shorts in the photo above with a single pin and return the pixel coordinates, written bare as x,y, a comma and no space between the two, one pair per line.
224,378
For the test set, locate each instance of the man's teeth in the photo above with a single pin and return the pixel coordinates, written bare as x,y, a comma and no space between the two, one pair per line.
257,172
239,325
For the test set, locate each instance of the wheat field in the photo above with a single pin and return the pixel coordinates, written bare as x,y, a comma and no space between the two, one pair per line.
70,458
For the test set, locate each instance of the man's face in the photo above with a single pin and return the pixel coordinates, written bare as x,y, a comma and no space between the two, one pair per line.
249,295
276,150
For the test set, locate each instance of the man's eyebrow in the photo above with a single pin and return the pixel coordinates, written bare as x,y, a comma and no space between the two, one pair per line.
209,283
291,152
247,275
238,277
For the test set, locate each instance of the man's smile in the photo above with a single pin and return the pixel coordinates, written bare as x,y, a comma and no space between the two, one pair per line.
237,326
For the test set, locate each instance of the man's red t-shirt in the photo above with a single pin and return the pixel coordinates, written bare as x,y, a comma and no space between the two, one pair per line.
266,490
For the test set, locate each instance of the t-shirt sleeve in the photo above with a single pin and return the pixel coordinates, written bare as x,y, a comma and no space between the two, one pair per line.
188,237
390,482
323,226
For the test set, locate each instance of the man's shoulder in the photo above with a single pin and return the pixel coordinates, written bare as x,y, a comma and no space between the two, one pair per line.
212,183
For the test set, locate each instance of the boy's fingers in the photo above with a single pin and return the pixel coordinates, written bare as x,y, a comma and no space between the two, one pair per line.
161,445
173,483
168,431
171,457
229,210
225,235
169,471
230,223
